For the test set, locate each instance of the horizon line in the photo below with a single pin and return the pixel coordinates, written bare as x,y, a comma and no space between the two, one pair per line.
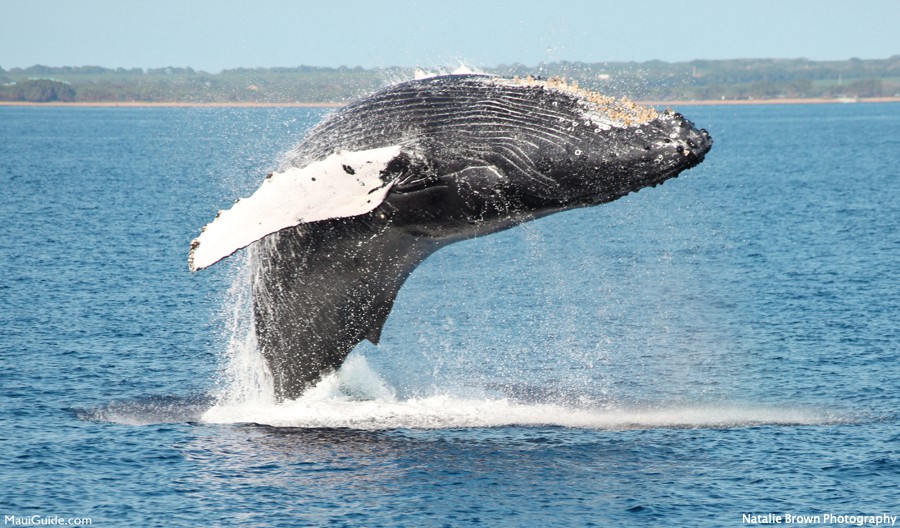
895,56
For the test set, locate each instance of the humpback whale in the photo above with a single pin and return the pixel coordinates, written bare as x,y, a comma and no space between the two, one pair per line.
381,184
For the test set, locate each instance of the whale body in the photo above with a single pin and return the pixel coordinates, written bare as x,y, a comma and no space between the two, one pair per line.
384,182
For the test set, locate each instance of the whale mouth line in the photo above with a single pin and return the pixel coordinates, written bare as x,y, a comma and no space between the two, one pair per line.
590,199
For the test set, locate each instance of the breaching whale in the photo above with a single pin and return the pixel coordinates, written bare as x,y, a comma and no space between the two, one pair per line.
384,182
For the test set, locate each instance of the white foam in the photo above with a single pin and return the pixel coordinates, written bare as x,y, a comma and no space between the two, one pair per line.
358,398
343,184
448,412
461,69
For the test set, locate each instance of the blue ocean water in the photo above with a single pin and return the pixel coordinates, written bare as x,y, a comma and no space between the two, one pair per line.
724,344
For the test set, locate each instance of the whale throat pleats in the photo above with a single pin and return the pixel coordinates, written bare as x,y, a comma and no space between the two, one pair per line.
320,289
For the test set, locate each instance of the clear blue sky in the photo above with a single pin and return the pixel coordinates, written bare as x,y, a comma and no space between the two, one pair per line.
212,35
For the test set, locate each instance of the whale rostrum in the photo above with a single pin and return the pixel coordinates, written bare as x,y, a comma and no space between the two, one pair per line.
386,181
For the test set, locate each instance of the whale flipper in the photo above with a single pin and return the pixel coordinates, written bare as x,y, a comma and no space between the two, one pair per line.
346,183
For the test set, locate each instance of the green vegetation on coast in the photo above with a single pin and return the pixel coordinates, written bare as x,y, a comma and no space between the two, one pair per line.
700,80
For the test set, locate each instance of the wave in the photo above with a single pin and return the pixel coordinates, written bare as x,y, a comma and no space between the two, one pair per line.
150,410
357,398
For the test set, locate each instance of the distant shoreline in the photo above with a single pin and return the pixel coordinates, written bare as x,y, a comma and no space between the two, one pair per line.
183,104
784,101
170,104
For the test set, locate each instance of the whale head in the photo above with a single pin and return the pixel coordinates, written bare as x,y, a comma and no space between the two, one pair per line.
488,152
607,151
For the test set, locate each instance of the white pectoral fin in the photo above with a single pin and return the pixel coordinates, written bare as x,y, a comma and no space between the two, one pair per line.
343,184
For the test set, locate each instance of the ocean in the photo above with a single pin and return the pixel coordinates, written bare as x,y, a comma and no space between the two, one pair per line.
718,351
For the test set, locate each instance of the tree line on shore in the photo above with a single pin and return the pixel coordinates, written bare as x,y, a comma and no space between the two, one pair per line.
738,79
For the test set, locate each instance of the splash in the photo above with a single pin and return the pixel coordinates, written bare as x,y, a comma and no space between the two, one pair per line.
356,397
245,376
461,69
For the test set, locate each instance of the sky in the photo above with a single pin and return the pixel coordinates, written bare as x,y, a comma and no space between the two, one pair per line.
212,35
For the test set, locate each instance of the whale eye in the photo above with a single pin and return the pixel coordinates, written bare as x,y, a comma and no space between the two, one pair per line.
397,167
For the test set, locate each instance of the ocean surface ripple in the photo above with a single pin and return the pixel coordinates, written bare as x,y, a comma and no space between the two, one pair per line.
724,344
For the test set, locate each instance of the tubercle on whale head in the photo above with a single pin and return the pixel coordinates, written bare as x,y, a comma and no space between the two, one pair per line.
668,145
611,147
602,109
648,155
